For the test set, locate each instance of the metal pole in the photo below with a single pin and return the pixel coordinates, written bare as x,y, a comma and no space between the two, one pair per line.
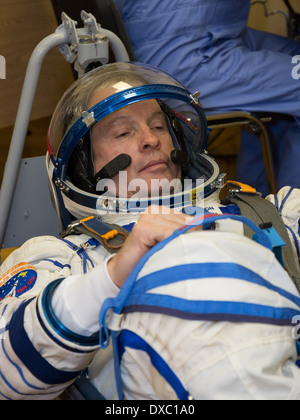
21,126
117,45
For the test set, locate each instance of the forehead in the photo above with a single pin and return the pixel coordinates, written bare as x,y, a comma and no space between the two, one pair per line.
144,110
104,92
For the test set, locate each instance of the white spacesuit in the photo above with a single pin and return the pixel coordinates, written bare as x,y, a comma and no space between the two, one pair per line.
52,289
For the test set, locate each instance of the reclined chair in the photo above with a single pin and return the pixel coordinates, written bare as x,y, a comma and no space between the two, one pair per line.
111,20
294,21
26,215
109,16
25,219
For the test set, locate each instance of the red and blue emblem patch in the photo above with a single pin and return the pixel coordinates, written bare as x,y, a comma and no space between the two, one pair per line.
18,280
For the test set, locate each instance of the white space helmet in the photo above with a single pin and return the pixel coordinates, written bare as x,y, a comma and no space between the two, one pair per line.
69,160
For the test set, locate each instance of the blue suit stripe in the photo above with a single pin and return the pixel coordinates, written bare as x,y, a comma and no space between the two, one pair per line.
19,369
198,271
30,357
210,310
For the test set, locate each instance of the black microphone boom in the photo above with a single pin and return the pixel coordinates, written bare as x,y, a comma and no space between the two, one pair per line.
116,165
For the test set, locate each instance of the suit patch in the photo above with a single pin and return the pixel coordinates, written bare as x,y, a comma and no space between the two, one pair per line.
17,280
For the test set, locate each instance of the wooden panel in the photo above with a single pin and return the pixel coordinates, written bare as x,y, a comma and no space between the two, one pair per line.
275,24
23,24
5,253
35,144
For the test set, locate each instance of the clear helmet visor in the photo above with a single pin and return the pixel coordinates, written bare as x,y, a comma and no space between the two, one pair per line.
93,92
103,92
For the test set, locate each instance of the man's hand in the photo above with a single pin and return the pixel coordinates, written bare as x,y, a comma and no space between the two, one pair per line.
151,229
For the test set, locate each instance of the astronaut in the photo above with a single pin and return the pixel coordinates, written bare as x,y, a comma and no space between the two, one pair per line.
114,132
209,48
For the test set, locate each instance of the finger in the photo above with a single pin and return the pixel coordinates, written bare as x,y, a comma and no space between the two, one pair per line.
157,215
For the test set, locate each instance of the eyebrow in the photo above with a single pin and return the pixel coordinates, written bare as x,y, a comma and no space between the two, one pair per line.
127,117
119,118
156,114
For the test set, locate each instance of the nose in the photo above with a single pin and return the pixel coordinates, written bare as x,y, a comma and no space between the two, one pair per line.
148,140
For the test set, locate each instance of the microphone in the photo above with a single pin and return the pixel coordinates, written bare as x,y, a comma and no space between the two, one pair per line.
116,165
123,160
180,158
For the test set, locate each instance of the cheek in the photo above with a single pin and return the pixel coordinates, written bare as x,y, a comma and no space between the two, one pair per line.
167,143
99,162
107,154
102,155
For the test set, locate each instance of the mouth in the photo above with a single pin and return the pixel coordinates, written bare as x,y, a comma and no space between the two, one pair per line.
154,164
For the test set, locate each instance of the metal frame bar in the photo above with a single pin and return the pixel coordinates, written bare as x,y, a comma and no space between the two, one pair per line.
240,118
63,37
12,165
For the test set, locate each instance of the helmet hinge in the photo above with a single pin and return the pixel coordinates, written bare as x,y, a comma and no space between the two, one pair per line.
61,186
220,182
88,118
195,99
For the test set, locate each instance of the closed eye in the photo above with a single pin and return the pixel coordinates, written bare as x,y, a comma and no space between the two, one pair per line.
123,135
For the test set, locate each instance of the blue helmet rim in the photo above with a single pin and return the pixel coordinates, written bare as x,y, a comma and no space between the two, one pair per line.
97,204
115,103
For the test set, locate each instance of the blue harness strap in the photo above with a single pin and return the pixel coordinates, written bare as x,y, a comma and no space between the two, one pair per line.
137,296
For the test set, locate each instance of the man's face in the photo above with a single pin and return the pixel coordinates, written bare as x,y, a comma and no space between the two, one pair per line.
139,130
